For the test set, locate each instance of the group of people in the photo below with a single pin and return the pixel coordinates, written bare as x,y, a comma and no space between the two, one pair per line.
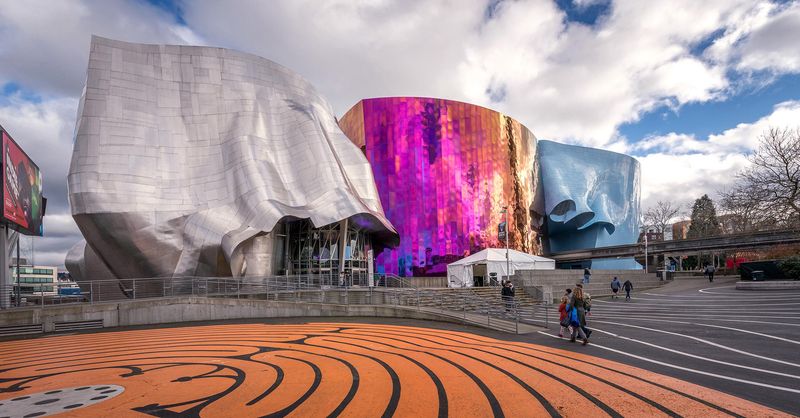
616,285
575,305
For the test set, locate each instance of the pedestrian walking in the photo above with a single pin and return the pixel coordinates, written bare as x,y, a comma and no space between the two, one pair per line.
587,302
587,275
578,316
562,317
512,293
627,286
505,294
710,270
615,285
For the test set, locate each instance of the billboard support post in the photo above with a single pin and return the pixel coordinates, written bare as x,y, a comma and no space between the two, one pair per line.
5,274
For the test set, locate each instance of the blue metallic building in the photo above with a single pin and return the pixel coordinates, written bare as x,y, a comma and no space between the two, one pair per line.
588,198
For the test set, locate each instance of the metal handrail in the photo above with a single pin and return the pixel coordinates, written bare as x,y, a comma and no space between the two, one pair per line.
395,291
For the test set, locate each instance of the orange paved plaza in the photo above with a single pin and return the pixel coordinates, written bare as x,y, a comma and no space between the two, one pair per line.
329,369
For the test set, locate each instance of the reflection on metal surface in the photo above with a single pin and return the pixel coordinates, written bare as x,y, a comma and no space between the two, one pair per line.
444,171
590,199
184,154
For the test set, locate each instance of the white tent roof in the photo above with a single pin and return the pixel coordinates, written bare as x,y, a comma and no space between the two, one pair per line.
459,273
499,254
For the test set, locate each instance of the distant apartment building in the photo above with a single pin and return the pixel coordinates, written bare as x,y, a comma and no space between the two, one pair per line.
35,280
652,236
680,230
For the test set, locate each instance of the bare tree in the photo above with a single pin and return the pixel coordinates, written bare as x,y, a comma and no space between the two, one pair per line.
774,176
745,211
659,216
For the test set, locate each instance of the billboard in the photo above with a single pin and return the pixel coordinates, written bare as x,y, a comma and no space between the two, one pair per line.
23,207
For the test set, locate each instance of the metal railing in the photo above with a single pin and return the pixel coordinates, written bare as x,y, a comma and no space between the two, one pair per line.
386,290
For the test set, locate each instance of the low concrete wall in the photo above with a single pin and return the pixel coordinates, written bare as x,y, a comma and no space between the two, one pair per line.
186,309
600,285
769,285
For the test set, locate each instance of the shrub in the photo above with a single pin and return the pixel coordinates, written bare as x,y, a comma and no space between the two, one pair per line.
791,267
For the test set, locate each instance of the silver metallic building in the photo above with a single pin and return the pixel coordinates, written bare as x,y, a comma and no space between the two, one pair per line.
206,161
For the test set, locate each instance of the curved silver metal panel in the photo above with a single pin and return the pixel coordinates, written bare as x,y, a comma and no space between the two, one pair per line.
183,153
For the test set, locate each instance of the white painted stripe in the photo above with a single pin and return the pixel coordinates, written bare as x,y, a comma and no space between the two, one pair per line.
696,302
781,315
741,295
705,318
774,337
674,366
698,308
740,366
746,353
708,289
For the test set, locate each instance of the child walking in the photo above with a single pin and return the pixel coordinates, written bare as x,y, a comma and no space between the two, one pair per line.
562,314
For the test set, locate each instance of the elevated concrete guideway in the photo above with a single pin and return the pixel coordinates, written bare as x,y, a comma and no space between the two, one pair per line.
724,242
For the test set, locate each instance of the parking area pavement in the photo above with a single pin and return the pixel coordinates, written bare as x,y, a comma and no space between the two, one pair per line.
746,343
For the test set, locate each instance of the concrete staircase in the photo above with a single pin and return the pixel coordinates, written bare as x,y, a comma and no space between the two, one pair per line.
483,307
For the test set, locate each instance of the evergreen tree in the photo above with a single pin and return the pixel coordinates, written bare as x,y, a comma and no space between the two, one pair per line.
704,219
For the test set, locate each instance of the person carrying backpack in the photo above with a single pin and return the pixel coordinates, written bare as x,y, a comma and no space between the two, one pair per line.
577,314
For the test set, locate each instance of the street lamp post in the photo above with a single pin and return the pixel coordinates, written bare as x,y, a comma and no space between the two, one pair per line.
508,268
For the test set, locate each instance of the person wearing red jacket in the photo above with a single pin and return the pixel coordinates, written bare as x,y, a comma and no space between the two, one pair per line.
562,313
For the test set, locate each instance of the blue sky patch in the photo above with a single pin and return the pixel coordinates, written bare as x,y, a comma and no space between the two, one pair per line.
14,89
703,119
587,15
173,7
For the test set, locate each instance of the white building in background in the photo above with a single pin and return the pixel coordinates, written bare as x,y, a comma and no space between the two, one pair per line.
33,280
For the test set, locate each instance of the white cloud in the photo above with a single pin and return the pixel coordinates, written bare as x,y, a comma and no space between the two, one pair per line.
566,81
44,130
45,44
351,50
763,39
741,139
681,167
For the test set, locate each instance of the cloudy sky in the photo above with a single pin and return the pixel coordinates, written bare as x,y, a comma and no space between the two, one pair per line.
685,86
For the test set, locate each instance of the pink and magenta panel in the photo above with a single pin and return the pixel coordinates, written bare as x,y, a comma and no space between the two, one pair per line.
444,170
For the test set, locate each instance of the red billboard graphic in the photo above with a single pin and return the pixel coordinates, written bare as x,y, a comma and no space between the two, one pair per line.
22,189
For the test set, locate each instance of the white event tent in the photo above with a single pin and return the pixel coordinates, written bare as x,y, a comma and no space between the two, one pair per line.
460,273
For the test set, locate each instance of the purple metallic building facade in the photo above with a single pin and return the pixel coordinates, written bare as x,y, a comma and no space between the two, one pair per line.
444,170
